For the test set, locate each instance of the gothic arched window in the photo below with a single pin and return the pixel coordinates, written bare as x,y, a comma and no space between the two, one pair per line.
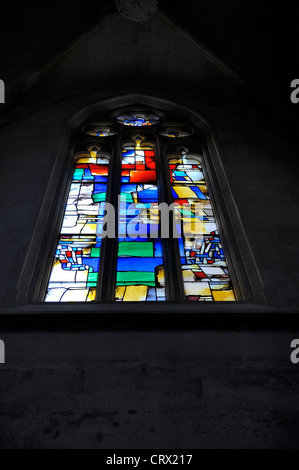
75,270
139,223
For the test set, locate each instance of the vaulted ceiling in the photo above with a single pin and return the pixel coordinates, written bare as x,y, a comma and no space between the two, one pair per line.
254,44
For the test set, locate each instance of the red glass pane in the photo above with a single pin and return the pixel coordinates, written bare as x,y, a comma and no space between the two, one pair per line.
148,176
98,169
150,163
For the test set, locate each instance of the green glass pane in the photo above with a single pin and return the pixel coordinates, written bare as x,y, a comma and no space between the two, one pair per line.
91,284
78,173
126,197
95,252
92,279
187,212
142,249
99,197
135,277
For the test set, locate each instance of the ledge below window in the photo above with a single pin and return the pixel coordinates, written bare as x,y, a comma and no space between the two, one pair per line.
135,315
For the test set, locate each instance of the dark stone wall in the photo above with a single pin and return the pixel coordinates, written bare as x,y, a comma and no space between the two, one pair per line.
149,390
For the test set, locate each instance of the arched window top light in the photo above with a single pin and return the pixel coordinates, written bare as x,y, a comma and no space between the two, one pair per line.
175,130
101,129
137,118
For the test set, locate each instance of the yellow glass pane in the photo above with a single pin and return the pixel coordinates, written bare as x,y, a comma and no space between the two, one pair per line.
197,288
86,160
92,294
184,192
223,295
196,227
154,215
135,293
161,276
203,189
188,275
120,292
89,228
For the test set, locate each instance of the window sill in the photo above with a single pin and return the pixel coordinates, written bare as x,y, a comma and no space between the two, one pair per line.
138,315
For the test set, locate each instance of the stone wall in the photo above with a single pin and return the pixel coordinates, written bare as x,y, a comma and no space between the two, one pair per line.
149,390
226,388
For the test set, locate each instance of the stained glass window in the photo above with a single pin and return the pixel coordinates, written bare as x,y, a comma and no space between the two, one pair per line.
75,269
137,119
174,131
143,259
140,264
137,122
101,129
204,267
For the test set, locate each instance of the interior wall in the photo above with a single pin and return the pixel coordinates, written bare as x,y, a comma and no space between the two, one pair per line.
148,390
258,178
152,389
